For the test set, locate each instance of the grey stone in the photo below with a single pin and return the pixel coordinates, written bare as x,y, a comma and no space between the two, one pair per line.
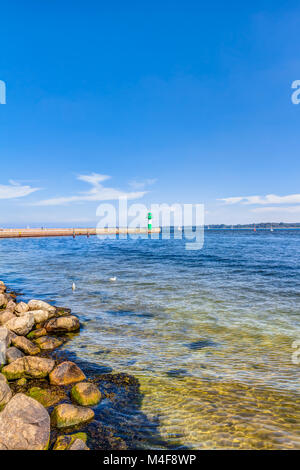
41,305
21,308
21,325
78,444
12,354
5,316
24,425
40,316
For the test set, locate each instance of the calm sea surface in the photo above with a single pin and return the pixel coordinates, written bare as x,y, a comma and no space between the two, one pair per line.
208,334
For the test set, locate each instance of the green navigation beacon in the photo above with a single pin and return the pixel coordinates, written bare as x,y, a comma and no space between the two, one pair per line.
149,221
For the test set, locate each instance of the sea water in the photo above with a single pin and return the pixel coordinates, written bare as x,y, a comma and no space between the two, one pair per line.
209,334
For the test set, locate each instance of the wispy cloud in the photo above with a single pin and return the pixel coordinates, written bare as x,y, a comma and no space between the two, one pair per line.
276,209
97,192
15,190
134,184
268,199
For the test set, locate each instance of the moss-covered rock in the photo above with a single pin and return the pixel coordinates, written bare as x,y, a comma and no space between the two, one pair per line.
65,442
62,311
21,382
48,342
62,324
86,394
46,396
37,333
65,415
27,346
28,366
15,370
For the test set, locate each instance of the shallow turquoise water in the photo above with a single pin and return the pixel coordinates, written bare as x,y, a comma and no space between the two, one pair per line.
207,333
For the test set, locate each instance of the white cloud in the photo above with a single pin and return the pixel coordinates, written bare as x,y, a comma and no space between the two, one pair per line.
15,190
142,184
231,200
94,179
272,209
97,193
268,199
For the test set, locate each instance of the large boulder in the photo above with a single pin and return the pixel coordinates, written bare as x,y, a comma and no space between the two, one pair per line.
66,373
27,346
24,425
21,325
21,308
48,342
5,316
86,394
5,391
28,366
66,415
41,305
40,316
38,367
62,324
11,305
15,370
12,354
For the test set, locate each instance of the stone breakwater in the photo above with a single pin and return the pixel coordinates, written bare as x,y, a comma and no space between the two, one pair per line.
30,413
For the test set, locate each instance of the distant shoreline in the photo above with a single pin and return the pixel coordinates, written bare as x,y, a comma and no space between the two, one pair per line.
251,228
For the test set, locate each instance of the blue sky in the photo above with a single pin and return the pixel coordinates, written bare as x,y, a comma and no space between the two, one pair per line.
175,101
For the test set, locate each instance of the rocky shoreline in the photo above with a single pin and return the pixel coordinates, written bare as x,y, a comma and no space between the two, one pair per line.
43,398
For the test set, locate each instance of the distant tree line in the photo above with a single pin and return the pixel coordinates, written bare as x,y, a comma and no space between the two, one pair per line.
260,225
